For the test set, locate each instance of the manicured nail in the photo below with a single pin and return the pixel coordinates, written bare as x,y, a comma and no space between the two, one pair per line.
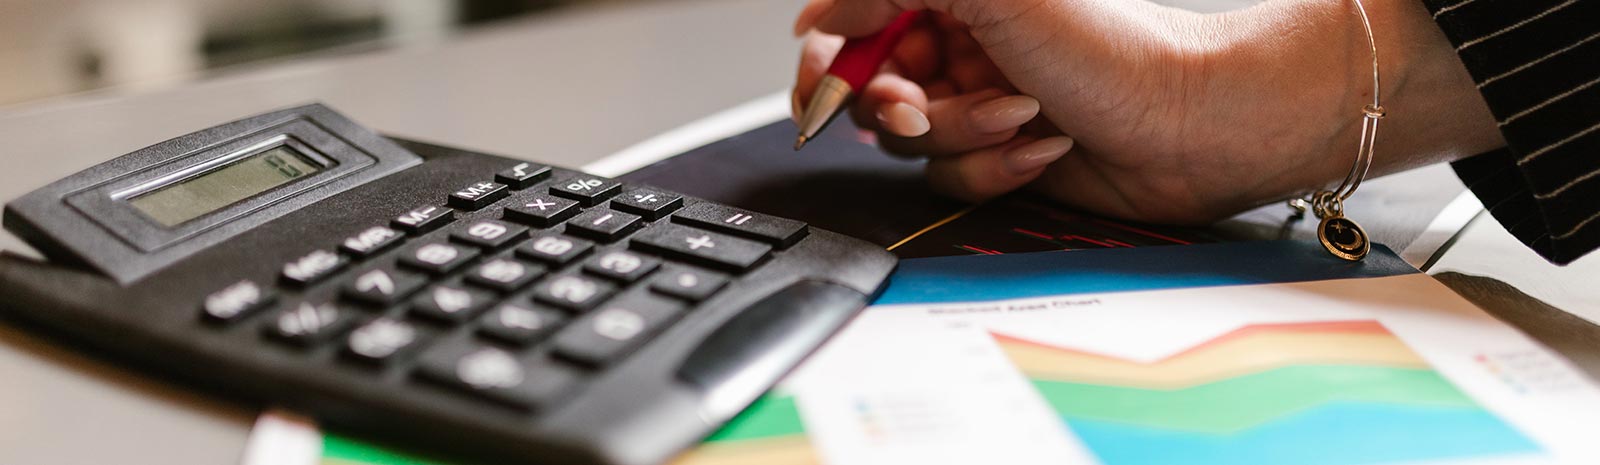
903,120
1028,158
1003,114
808,18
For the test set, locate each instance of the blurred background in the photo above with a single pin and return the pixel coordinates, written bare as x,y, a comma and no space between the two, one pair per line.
56,47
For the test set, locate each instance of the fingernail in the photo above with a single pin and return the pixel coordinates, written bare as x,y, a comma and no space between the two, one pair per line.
904,120
808,18
1003,114
1037,154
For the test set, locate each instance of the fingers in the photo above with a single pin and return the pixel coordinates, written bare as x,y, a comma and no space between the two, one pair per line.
984,174
816,53
849,18
964,123
893,104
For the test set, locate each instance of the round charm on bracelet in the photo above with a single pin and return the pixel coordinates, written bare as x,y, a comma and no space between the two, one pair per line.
1343,238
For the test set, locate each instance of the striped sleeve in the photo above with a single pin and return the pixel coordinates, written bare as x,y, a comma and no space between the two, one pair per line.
1537,64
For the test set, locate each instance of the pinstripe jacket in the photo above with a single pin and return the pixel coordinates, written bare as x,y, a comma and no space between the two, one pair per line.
1537,64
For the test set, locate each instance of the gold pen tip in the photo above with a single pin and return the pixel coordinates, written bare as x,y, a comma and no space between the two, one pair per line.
799,142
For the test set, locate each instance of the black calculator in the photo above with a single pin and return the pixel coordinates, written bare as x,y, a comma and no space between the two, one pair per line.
442,299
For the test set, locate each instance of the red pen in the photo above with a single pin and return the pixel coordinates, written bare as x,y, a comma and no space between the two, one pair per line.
856,63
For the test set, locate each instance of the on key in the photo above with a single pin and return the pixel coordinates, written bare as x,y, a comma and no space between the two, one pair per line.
779,232
706,248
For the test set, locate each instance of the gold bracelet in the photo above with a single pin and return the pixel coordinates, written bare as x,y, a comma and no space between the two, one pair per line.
1341,236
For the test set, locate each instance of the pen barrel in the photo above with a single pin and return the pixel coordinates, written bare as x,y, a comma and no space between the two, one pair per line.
861,57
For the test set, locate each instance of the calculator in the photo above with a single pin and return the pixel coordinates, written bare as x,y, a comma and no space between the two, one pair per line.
441,299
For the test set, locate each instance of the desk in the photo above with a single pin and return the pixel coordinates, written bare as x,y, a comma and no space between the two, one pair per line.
513,89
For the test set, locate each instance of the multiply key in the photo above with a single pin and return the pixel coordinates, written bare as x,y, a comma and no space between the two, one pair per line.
478,195
541,210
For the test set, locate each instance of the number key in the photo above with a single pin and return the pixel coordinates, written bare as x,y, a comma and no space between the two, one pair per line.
621,265
572,292
554,249
489,234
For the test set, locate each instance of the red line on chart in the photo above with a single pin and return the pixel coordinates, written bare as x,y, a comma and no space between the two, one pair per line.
1141,231
1034,234
1119,243
973,248
1091,241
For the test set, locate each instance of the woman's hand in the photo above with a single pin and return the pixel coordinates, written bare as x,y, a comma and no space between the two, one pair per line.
1144,112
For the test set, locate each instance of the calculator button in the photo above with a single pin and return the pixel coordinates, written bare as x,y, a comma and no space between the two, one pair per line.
489,234
504,274
313,267
621,265
236,301
496,374
602,224
371,241
423,219
307,324
689,284
382,287
649,203
450,304
522,175
541,210
779,232
382,340
520,324
591,190
438,258
711,249
618,327
478,195
554,249
573,292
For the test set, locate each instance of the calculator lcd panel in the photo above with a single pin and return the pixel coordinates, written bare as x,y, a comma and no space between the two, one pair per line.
236,179
108,217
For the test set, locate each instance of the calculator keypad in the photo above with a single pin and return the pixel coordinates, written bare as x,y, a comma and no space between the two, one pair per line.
538,281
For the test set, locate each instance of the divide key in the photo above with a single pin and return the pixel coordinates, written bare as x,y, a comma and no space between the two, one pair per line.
779,232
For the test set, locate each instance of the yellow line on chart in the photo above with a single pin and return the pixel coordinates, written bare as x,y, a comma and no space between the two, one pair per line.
930,227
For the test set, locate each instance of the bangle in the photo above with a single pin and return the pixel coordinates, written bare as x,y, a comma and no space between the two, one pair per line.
1341,236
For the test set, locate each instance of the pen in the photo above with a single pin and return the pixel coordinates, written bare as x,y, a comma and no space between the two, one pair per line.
856,63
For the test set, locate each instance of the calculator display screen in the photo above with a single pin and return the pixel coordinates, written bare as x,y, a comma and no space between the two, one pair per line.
192,197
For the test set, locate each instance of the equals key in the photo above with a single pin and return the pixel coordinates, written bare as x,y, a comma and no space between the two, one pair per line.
779,232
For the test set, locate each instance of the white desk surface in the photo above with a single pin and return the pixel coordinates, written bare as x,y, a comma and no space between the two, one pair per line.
566,88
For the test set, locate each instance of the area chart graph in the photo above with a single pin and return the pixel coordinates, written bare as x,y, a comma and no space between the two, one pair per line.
1320,393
